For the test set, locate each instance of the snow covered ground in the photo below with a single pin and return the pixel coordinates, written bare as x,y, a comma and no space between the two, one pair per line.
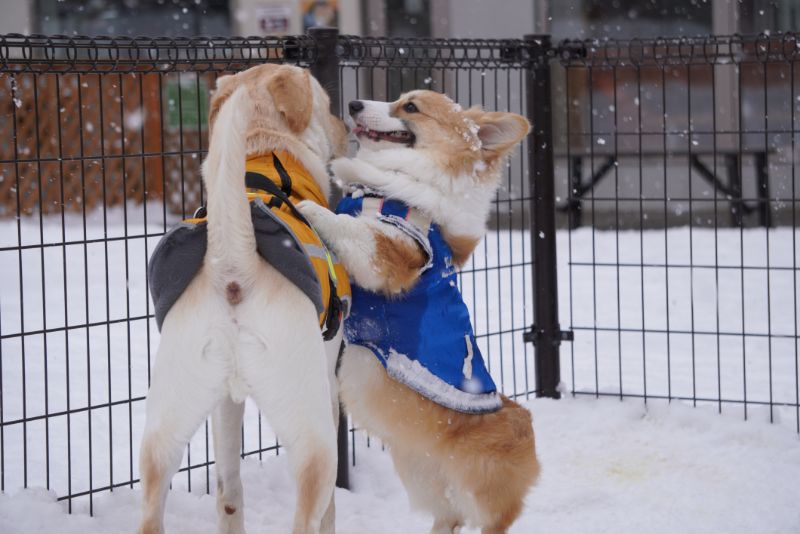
607,465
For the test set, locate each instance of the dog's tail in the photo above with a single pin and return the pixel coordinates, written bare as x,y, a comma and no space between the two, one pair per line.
231,254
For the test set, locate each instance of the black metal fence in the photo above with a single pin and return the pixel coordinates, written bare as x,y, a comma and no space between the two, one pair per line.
681,157
101,143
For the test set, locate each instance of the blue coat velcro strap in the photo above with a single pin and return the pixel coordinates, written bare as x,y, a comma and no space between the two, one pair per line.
424,337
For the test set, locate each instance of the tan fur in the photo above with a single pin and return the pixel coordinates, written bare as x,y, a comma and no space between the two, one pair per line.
490,456
284,101
441,126
399,263
462,247
310,487
291,91
152,478
441,129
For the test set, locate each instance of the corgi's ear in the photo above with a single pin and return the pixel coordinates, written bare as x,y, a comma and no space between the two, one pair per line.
500,132
290,88
224,89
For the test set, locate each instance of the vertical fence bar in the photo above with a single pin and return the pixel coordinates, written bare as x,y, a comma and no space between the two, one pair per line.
545,334
325,69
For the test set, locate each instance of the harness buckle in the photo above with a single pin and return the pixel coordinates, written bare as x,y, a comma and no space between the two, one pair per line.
334,319
200,213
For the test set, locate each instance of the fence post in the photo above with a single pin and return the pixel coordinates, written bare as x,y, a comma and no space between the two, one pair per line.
325,69
545,333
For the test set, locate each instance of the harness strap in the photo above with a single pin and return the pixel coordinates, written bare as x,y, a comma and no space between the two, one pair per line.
286,180
254,180
280,196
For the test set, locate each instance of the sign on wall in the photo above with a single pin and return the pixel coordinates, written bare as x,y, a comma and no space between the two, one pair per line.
187,103
274,19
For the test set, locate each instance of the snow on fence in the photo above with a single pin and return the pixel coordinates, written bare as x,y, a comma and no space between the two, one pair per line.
651,216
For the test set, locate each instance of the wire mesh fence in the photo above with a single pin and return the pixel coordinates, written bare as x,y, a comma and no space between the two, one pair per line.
692,216
102,141
104,138
679,157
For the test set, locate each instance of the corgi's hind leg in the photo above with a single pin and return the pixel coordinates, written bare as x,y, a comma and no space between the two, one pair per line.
226,422
445,525
427,487
184,389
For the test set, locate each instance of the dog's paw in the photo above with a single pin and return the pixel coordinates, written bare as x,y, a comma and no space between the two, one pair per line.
311,211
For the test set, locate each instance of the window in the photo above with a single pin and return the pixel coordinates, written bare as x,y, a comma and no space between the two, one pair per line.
154,18
630,18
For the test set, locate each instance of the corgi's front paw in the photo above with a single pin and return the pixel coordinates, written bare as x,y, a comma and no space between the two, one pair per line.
312,211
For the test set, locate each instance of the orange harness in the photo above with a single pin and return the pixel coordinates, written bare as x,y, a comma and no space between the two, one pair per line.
275,183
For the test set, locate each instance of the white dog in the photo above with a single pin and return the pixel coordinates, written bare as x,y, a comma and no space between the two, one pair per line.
240,327
421,188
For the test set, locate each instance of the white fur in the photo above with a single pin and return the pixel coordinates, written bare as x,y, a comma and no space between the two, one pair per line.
353,241
213,352
460,205
376,116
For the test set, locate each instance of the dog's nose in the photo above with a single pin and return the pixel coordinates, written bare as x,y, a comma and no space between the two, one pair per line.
355,106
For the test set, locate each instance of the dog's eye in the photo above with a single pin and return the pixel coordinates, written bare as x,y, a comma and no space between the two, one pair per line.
410,108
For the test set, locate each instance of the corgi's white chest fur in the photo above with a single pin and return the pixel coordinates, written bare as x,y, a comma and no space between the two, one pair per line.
459,206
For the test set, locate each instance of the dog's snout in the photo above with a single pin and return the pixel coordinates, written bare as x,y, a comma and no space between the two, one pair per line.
355,106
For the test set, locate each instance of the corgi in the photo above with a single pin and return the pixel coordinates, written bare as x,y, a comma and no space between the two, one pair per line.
239,325
419,194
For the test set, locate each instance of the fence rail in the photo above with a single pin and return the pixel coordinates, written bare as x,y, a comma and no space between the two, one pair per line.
122,55
689,142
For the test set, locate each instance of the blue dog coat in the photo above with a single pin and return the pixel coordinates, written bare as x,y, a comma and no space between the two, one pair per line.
423,337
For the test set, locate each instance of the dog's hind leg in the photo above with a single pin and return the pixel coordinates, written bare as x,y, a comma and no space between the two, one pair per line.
184,389
290,385
334,350
442,525
226,422
306,428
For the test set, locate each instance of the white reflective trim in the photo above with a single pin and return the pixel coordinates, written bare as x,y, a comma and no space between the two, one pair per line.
417,377
420,220
467,369
315,251
371,206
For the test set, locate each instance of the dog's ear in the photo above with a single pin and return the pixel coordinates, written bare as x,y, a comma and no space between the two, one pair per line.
225,87
290,88
500,132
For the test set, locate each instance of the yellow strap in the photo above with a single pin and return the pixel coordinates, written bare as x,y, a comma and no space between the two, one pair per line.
331,269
